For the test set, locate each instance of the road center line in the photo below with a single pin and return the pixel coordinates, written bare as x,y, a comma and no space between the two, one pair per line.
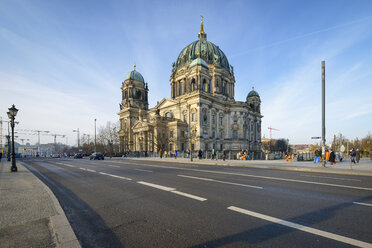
189,195
338,178
143,170
361,203
217,181
66,164
302,228
156,186
111,175
256,176
173,190
113,166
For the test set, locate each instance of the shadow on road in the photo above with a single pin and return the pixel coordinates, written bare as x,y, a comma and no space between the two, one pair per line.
88,226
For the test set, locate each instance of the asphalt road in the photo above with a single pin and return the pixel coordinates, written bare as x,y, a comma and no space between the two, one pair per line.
131,203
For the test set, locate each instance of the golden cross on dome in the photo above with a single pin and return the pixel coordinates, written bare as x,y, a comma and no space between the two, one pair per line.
134,66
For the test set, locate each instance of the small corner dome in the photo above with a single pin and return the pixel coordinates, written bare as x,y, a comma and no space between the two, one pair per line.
198,61
134,75
253,93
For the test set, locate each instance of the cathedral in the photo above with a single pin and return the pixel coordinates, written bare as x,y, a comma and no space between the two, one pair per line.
202,112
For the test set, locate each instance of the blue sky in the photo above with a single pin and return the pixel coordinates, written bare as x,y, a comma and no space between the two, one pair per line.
62,62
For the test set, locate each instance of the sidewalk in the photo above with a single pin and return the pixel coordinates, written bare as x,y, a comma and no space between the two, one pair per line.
30,215
364,168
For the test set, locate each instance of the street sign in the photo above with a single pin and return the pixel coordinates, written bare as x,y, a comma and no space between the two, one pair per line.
316,137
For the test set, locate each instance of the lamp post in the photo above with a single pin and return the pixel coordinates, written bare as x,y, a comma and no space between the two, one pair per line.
12,114
95,135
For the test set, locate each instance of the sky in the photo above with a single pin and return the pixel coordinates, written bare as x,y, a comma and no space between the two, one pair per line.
62,63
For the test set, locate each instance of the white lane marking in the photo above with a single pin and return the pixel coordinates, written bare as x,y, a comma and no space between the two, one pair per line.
157,186
142,170
91,170
338,178
113,166
218,181
256,176
66,165
189,195
81,168
111,175
303,228
361,203
172,190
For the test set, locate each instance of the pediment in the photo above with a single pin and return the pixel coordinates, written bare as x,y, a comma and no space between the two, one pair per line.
141,125
165,103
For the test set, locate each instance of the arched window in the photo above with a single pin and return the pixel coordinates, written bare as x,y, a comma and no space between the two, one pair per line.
179,88
204,85
193,84
209,86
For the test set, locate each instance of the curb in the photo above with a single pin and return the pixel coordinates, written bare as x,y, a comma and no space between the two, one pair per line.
312,170
61,228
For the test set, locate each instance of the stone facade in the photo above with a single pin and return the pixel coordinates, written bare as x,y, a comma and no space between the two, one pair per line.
202,112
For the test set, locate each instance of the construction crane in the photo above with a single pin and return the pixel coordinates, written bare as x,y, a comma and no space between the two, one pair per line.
55,136
32,132
271,128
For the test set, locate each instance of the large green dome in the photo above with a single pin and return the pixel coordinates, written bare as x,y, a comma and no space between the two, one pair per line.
208,51
135,75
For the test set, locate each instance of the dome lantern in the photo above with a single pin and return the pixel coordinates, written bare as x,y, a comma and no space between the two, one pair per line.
202,35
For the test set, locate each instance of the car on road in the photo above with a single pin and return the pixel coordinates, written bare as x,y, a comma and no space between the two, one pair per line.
78,155
97,156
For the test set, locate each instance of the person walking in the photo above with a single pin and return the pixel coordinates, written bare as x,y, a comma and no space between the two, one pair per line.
200,154
175,154
1,155
357,156
161,153
326,155
332,157
341,156
317,155
224,154
352,155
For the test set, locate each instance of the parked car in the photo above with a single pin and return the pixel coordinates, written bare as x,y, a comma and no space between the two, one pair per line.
78,155
97,155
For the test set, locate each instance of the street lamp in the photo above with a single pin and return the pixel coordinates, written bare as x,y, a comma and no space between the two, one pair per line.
95,135
12,114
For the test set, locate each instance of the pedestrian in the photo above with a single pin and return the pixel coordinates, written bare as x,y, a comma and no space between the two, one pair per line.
352,155
161,153
213,153
357,156
332,157
175,154
326,155
166,154
317,155
223,154
200,154
341,156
